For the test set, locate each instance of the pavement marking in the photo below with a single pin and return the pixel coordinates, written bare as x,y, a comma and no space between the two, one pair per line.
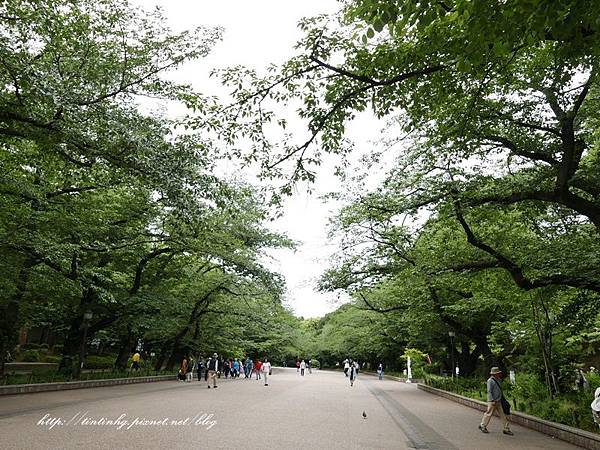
419,434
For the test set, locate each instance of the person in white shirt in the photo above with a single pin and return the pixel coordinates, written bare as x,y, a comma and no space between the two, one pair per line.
302,367
352,372
346,367
266,370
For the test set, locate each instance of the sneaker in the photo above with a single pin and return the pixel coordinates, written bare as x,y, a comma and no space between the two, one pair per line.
208,387
483,429
510,433
216,387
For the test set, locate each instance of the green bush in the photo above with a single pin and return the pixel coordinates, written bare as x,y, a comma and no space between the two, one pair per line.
530,388
99,362
315,364
30,346
30,356
52,358
531,397
57,349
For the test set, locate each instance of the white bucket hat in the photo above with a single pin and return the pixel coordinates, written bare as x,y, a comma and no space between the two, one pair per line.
596,403
495,370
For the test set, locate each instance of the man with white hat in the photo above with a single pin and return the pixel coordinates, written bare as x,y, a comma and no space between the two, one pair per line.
494,394
213,367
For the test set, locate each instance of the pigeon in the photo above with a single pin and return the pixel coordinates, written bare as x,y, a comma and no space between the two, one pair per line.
364,415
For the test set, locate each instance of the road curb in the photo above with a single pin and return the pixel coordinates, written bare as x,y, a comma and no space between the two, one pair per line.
68,385
565,433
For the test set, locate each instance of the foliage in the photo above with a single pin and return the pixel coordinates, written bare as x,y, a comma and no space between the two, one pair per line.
530,395
110,210
30,356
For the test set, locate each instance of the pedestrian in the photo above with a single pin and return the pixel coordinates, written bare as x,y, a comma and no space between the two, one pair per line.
596,407
308,366
236,368
346,367
297,365
257,368
266,369
190,370
226,368
135,361
494,402
250,367
212,367
302,367
183,369
352,372
380,371
200,368
220,364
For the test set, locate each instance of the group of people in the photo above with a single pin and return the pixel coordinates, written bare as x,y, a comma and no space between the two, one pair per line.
212,368
351,369
302,366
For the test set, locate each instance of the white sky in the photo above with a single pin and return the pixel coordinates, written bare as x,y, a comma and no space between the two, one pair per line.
258,33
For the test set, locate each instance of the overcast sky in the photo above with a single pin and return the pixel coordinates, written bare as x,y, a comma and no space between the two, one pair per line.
258,33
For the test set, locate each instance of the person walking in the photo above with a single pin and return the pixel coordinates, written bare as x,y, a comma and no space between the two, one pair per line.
308,366
236,368
200,368
302,367
135,361
212,367
380,371
226,368
494,401
257,368
346,367
297,365
189,375
183,369
266,369
250,369
352,366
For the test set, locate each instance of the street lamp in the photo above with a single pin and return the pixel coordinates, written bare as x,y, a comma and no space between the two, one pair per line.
87,316
452,334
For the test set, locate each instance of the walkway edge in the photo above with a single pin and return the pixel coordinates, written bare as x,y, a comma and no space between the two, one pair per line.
565,433
67,385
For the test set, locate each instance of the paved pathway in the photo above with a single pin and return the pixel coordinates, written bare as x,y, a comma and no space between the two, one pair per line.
318,411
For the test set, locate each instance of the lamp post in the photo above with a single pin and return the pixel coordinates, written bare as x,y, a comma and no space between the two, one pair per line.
452,334
87,316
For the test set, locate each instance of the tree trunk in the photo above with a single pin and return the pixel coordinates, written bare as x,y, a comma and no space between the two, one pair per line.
162,355
126,345
74,336
10,313
176,353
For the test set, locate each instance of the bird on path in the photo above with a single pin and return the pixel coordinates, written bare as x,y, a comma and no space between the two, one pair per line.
364,415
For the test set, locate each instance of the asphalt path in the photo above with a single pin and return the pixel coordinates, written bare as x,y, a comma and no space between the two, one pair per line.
319,411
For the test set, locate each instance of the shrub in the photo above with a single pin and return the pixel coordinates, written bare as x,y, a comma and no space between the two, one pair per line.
99,362
30,346
30,356
315,364
52,358
57,349
528,386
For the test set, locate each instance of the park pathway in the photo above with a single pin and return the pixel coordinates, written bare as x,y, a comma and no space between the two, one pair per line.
318,411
